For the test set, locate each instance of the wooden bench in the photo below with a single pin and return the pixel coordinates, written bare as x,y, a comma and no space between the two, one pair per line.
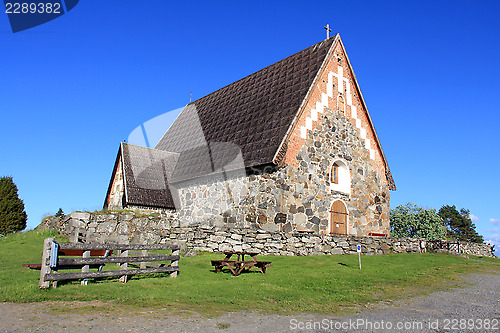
56,257
93,253
375,234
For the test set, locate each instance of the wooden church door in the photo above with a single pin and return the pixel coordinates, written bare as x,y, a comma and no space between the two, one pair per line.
338,218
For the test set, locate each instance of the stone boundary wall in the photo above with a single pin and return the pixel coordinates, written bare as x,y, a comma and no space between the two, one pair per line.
129,228
459,247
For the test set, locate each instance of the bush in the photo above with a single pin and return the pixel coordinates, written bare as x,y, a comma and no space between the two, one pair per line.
12,215
413,221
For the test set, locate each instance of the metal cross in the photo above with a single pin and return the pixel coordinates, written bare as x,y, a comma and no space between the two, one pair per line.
328,30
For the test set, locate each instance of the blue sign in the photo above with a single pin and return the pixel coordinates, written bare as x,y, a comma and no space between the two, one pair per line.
359,248
54,250
26,14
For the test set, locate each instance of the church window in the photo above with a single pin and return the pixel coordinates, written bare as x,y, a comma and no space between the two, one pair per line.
335,173
340,177
340,105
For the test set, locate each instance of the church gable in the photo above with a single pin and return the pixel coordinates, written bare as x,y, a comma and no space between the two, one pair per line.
336,88
116,188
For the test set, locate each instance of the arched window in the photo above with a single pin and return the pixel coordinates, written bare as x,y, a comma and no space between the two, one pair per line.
338,218
340,177
340,105
334,175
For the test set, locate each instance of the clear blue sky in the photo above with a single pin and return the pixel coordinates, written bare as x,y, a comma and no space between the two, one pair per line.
75,87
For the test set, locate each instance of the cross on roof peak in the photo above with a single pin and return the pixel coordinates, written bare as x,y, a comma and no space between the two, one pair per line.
328,30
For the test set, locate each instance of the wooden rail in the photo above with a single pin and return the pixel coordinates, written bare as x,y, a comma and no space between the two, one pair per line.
97,255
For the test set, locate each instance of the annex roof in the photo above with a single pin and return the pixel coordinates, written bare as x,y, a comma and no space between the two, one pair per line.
146,175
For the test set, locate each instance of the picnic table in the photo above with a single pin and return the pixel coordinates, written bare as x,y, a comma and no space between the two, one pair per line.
239,265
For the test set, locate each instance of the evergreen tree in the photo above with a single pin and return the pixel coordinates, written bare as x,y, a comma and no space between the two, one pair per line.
413,221
12,215
459,224
60,213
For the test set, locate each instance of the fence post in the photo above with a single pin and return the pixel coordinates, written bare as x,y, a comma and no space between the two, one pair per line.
123,279
174,263
45,263
86,268
118,254
143,263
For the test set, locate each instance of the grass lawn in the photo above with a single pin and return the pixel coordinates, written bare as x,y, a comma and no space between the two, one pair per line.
313,284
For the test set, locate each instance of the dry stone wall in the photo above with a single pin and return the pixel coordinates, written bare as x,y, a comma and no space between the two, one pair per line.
130,227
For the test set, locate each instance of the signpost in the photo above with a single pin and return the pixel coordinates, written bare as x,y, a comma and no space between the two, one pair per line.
359,255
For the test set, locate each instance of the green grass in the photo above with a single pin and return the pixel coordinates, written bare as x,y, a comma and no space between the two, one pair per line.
314,284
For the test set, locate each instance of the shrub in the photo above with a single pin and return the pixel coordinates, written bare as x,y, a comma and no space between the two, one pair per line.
412,221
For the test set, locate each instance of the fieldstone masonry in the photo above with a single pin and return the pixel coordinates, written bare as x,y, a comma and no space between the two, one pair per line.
295,197
130,227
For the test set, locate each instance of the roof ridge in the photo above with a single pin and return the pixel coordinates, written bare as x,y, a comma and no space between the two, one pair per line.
260,70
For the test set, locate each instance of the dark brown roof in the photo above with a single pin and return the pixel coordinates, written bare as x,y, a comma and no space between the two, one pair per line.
253,114
146,176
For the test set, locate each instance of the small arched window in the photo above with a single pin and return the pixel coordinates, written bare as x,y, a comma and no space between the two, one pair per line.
334,175
340,105
340,177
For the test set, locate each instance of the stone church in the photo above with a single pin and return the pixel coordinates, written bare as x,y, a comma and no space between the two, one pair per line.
289,148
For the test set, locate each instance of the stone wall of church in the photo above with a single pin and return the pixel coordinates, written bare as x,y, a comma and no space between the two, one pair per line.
296,197
128,227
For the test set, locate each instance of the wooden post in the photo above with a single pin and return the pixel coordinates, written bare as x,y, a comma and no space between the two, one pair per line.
54,284
358,249
143,263
118,254
174,263
45,263
123,279
86,268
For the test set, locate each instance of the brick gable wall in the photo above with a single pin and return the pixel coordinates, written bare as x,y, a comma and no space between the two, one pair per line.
325,93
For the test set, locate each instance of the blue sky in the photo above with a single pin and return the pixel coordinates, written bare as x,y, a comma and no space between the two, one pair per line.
75,87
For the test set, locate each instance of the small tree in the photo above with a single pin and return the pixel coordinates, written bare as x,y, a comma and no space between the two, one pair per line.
12,215
412,221
459,224
60,213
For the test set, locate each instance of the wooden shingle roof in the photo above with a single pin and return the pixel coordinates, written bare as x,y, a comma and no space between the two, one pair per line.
253,113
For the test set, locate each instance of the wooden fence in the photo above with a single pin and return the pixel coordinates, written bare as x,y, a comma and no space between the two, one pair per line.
56,256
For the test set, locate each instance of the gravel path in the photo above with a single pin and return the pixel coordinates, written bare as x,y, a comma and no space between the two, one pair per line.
474,307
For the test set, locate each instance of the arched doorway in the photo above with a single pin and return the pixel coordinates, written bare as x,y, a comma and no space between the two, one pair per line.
338,218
